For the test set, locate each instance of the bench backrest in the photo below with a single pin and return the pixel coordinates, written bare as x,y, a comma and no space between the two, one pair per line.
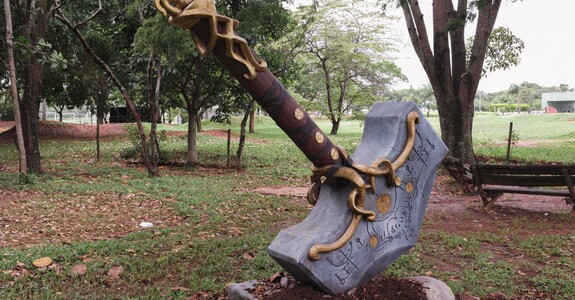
528,176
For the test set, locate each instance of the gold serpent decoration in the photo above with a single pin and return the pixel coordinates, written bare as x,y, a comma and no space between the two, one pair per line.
187,13
356,198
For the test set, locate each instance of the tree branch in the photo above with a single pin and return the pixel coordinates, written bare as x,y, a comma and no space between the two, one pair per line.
485,22
418,36
92,16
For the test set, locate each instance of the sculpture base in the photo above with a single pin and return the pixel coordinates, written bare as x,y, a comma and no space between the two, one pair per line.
420,287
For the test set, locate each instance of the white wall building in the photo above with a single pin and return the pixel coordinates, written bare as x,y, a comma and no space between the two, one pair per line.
562,102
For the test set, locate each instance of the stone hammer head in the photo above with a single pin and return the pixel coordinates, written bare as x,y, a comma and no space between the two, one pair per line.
344,243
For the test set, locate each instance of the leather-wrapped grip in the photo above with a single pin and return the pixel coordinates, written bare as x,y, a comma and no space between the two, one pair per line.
268,92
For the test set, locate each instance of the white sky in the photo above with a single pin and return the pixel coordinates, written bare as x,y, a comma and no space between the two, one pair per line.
546,27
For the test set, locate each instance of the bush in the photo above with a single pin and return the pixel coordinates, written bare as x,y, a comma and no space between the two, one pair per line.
6,113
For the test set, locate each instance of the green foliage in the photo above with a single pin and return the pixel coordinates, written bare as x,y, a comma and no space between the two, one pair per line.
508,107
27,179
347,58
503,50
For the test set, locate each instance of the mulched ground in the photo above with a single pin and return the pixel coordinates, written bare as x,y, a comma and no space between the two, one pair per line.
50,130
287,288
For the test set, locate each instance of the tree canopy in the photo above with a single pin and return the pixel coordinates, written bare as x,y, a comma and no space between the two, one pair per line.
348,58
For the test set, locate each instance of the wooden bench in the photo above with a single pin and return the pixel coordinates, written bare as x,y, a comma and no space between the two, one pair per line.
551,180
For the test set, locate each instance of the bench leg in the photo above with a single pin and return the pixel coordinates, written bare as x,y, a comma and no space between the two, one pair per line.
488,204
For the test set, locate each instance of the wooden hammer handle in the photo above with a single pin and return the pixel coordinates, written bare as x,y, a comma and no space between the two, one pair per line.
267,91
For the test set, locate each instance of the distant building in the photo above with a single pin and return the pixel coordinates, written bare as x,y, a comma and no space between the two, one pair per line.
558,102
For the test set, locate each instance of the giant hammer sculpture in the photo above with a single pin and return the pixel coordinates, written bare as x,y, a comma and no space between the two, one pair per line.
369,206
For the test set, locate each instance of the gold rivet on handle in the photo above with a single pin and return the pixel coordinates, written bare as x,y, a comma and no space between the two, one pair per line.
373,241
298,114
409,187
334,154
319,137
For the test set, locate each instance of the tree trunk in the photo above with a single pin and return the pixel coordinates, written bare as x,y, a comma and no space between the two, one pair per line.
240,152
199,127
100,102
44,109
153,107
457,128
453,79
193,105
14,89
192,156
34,31
253,117
335,126
98,140
60,113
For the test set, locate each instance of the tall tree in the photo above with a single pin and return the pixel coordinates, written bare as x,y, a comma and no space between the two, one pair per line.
35,19
350,55
453,71
14,87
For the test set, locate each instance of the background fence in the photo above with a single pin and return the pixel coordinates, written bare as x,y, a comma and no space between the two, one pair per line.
531,142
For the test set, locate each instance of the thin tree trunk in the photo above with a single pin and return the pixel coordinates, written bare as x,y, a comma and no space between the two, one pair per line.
14,89
97,140
192,155
153,95
335,126
199,127
193,106
240,152
253,117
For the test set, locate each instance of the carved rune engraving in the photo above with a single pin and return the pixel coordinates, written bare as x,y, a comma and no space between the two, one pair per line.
393,227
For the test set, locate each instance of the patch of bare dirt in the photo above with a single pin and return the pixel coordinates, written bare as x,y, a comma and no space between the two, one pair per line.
30,218
235,136
6,125
282,191
50,130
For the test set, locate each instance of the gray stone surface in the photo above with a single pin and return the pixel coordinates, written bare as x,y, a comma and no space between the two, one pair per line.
241,291
396,230
435,288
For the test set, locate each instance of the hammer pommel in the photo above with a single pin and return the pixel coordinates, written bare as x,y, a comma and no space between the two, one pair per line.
187,14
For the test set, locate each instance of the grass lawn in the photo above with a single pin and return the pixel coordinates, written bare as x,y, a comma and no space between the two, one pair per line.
212,228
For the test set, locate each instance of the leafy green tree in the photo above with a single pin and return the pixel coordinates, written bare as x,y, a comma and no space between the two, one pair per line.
81,20
453,70
31,20
65,90
348,52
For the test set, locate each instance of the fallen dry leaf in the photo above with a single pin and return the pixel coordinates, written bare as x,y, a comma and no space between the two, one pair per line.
79,270
276,277
42,262
115,272
248,256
